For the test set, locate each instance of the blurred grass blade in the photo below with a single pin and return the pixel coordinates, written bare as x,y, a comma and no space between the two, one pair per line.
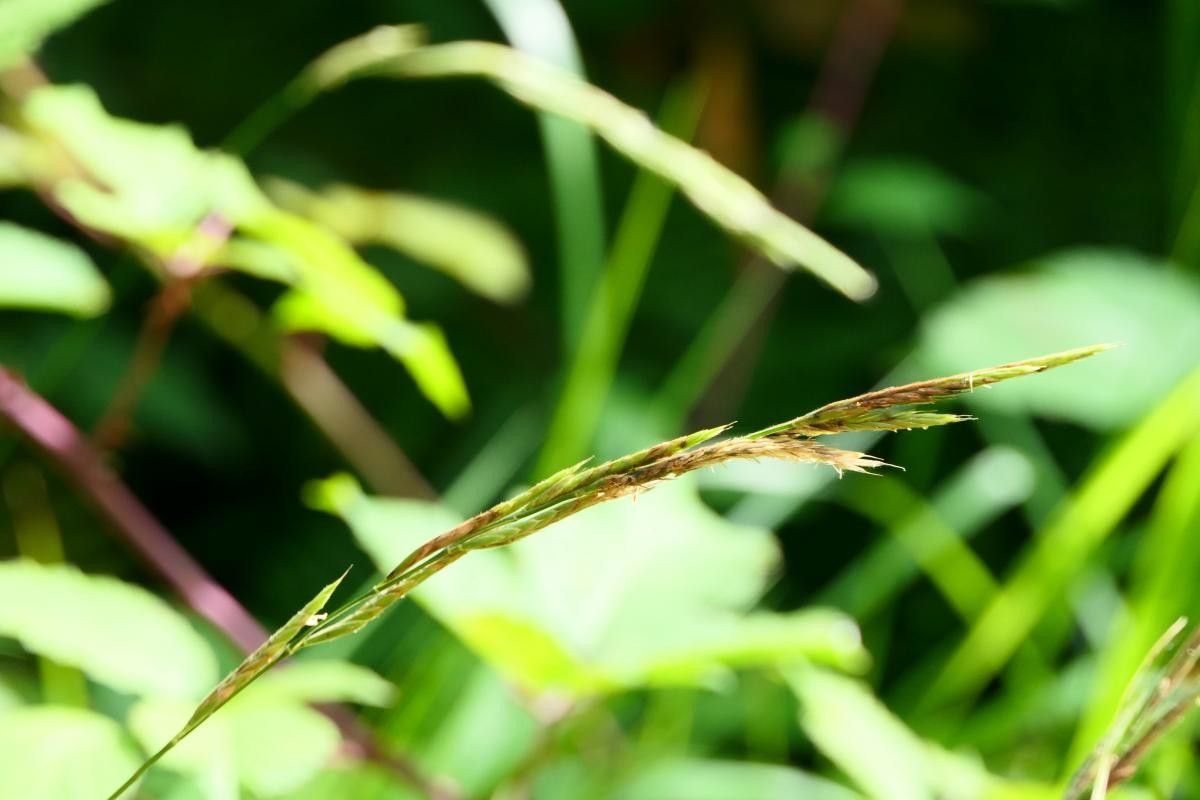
594,363
1160,587
1061,551
879,753
541,29
470,247
931,536
48,274
83,621
277,647
24,23
729,199
150,186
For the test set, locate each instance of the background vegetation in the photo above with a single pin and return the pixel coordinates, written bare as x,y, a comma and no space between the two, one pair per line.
220,391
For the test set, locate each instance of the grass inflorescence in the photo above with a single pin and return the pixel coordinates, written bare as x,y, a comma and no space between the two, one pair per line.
578,487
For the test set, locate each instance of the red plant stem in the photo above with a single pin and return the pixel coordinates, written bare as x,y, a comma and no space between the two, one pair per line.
181,269
65,446
75,458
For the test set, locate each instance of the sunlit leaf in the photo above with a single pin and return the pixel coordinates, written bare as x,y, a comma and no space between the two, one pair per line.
902,198
325,681
52,753
147,183
118,634
161,718
24,23
701,779
470,247
359,780
150,185
41,272
1072,299
878,752
268,744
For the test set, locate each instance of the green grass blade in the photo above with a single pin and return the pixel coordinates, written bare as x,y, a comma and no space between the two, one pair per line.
594,363
1061,550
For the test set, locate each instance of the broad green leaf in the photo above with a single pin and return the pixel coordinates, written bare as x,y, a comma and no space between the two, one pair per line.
340,294
354,781
281,747
486,734
853,729
703,779
25,23
42,272
160,718
52,753
325,681
648,591
146,183
902,198
150,185
1071,299
118,634
881,755
470,247
268,744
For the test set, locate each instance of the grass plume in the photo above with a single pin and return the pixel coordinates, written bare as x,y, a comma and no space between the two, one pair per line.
1157,700
578,487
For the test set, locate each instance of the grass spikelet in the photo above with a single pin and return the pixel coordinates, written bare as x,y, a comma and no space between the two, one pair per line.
1157,699
859,413
576,488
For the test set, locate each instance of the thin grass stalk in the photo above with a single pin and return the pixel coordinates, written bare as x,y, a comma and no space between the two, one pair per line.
725,197
577,488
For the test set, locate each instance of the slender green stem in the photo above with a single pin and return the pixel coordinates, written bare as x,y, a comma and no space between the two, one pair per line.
594,362
267,118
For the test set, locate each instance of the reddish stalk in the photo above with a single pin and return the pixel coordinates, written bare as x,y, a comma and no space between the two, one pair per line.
78,462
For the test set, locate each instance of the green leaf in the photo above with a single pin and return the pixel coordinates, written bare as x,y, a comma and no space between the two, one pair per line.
648,591
146,183
161,718
470,247
118,634
267,744
902,198
1070,299
25,23
704,779
355,781
881,755
150,185
52,753
41,272
324,681
340,294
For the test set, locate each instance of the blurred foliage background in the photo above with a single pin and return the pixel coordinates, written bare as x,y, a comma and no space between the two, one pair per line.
1019,176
